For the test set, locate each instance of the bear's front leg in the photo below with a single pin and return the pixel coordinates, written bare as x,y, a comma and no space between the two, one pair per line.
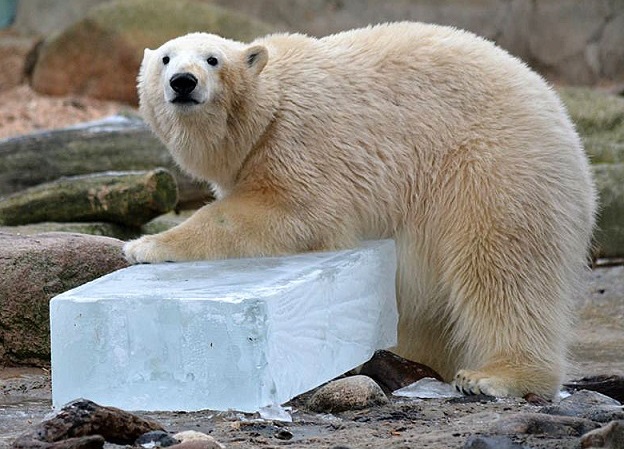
233,227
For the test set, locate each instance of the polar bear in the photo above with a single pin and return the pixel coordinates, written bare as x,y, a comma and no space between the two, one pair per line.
425,134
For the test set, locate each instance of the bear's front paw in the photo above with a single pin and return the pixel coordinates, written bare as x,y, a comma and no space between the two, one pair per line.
147,249
476,382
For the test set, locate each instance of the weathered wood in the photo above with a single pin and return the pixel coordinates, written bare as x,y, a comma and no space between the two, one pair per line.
83,424
117,143
612,386
127,198
392,372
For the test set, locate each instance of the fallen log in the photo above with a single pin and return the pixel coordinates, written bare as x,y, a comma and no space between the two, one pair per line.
392,372
609,385
126,198
117,143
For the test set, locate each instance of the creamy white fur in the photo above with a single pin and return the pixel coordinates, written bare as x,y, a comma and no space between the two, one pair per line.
422,133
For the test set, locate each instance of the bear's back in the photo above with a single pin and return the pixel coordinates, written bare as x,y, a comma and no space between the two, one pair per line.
412,76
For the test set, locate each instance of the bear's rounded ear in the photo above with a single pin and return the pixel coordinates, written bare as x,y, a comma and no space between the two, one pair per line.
146,54
256,58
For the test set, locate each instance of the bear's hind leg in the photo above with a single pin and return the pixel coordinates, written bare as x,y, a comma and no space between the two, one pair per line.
510,324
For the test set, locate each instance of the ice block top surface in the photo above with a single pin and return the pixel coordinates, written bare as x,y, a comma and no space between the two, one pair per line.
231,280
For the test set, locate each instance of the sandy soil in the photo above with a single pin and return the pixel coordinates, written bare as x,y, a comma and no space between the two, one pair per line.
24,111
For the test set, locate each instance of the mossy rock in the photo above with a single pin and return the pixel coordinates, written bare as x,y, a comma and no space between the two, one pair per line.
100,55
599,119
126,198
609,235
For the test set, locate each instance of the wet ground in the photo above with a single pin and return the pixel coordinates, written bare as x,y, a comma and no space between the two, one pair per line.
405,423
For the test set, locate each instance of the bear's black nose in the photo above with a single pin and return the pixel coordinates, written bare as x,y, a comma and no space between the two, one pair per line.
183,83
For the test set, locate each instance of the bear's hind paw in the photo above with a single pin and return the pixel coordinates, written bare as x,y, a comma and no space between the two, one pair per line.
476,382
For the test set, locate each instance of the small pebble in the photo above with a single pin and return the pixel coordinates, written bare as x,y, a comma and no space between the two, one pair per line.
156,438
192,435
283,434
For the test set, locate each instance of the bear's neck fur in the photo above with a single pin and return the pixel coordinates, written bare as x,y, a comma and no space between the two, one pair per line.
213,144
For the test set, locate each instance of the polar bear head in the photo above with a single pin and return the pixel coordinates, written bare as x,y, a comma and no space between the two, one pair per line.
195,72
190,89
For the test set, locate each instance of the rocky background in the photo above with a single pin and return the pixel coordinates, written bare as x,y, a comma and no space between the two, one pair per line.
71,189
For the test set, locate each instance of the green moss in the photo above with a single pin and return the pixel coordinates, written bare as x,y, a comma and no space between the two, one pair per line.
599,119
609,235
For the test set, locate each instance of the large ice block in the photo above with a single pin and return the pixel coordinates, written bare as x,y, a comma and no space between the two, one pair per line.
231,334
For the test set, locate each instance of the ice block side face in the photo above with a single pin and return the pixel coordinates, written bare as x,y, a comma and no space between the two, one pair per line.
233,334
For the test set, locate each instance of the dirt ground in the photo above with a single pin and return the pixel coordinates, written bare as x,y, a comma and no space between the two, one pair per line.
24,111
404,423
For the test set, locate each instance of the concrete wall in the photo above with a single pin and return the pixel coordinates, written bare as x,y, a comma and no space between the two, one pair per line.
573,41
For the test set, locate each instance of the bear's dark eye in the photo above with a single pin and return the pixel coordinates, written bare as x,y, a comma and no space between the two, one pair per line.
166,60
212,61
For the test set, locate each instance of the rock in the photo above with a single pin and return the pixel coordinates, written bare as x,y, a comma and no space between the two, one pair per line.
156,438
100,55
35,268
610,436
491,442
563,54
127,198
191,439
610,50
611,386
192,435
116,143
542,424
43,17
392,372
350,393
587,404
91,423
210,443
609,234
14,50
284,434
